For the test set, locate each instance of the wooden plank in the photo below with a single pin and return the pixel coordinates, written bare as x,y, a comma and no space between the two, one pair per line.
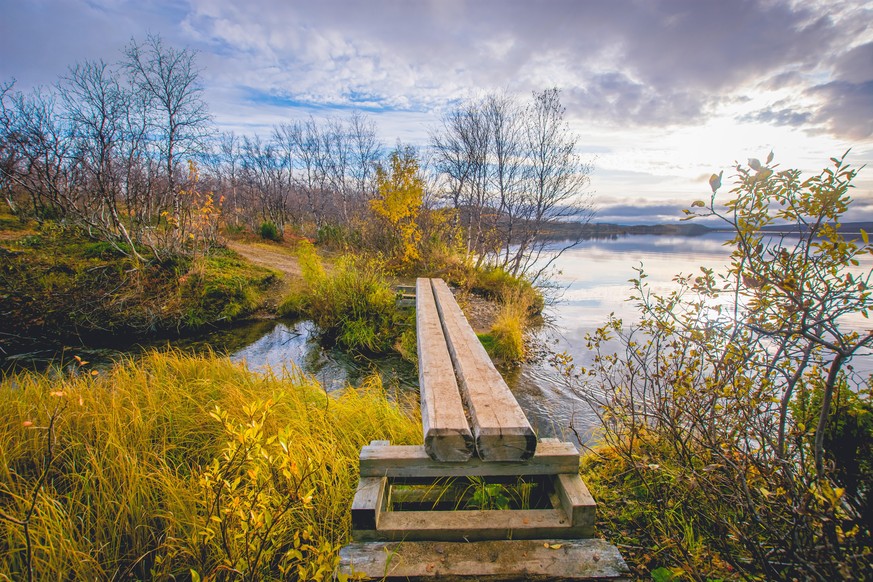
473,525
500,428
545,559
576,500
447,436
551,458
368,502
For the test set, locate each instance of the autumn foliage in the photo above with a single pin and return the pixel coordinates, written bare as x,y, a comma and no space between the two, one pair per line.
398,203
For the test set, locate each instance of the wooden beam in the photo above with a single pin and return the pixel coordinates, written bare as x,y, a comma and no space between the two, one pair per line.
500,428
551,458
447,437
546,559
473,525
369,500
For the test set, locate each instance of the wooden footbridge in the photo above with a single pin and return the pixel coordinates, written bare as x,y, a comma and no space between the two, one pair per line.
482,498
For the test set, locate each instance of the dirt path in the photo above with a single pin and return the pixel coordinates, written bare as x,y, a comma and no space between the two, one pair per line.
273,257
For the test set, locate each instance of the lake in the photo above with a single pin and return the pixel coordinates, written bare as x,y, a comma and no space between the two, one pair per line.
593,280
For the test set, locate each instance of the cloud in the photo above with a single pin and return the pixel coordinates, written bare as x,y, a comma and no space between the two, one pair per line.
779,117
847,101
623,64
667,89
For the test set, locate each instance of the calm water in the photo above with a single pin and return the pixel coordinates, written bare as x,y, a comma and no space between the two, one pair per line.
595,278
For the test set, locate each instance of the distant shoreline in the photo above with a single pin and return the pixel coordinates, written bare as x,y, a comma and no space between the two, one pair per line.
586,231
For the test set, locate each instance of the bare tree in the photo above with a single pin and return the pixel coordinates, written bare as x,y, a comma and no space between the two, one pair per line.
168,80
95,106
36,131
7,148
556,188
263,172
510,172
366,153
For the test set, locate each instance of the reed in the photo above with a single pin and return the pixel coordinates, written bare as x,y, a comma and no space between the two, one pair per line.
141,471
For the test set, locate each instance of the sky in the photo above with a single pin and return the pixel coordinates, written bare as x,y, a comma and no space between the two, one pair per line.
661,93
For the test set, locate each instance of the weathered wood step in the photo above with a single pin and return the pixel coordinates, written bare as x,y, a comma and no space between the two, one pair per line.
447,436
500,429
474,525
551,458
544,559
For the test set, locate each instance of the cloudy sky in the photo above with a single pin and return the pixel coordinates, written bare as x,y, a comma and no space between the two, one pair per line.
661,93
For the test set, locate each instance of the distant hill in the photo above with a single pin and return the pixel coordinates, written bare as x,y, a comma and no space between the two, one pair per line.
845,228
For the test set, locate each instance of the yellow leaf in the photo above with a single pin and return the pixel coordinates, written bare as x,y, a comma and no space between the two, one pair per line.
555,546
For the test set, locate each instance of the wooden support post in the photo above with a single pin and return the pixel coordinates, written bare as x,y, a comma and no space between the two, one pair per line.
447,436
500,429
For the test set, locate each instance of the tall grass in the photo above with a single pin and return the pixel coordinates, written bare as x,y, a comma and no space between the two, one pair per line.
496,283
134,486
507,331
353,304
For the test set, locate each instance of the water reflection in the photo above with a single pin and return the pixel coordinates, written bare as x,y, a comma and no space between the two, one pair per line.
297,344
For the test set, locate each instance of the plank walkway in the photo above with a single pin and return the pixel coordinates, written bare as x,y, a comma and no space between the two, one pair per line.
473,429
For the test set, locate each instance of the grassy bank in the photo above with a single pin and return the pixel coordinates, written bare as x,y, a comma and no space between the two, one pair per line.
58,284
352,300
177,465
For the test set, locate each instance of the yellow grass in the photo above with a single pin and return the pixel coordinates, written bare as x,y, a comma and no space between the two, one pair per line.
127,491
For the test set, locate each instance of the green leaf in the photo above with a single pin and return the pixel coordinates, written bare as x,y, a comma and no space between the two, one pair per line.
662,575
195,577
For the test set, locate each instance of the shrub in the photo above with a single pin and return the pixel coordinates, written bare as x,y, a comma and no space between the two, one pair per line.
269,231
353,305
727,407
